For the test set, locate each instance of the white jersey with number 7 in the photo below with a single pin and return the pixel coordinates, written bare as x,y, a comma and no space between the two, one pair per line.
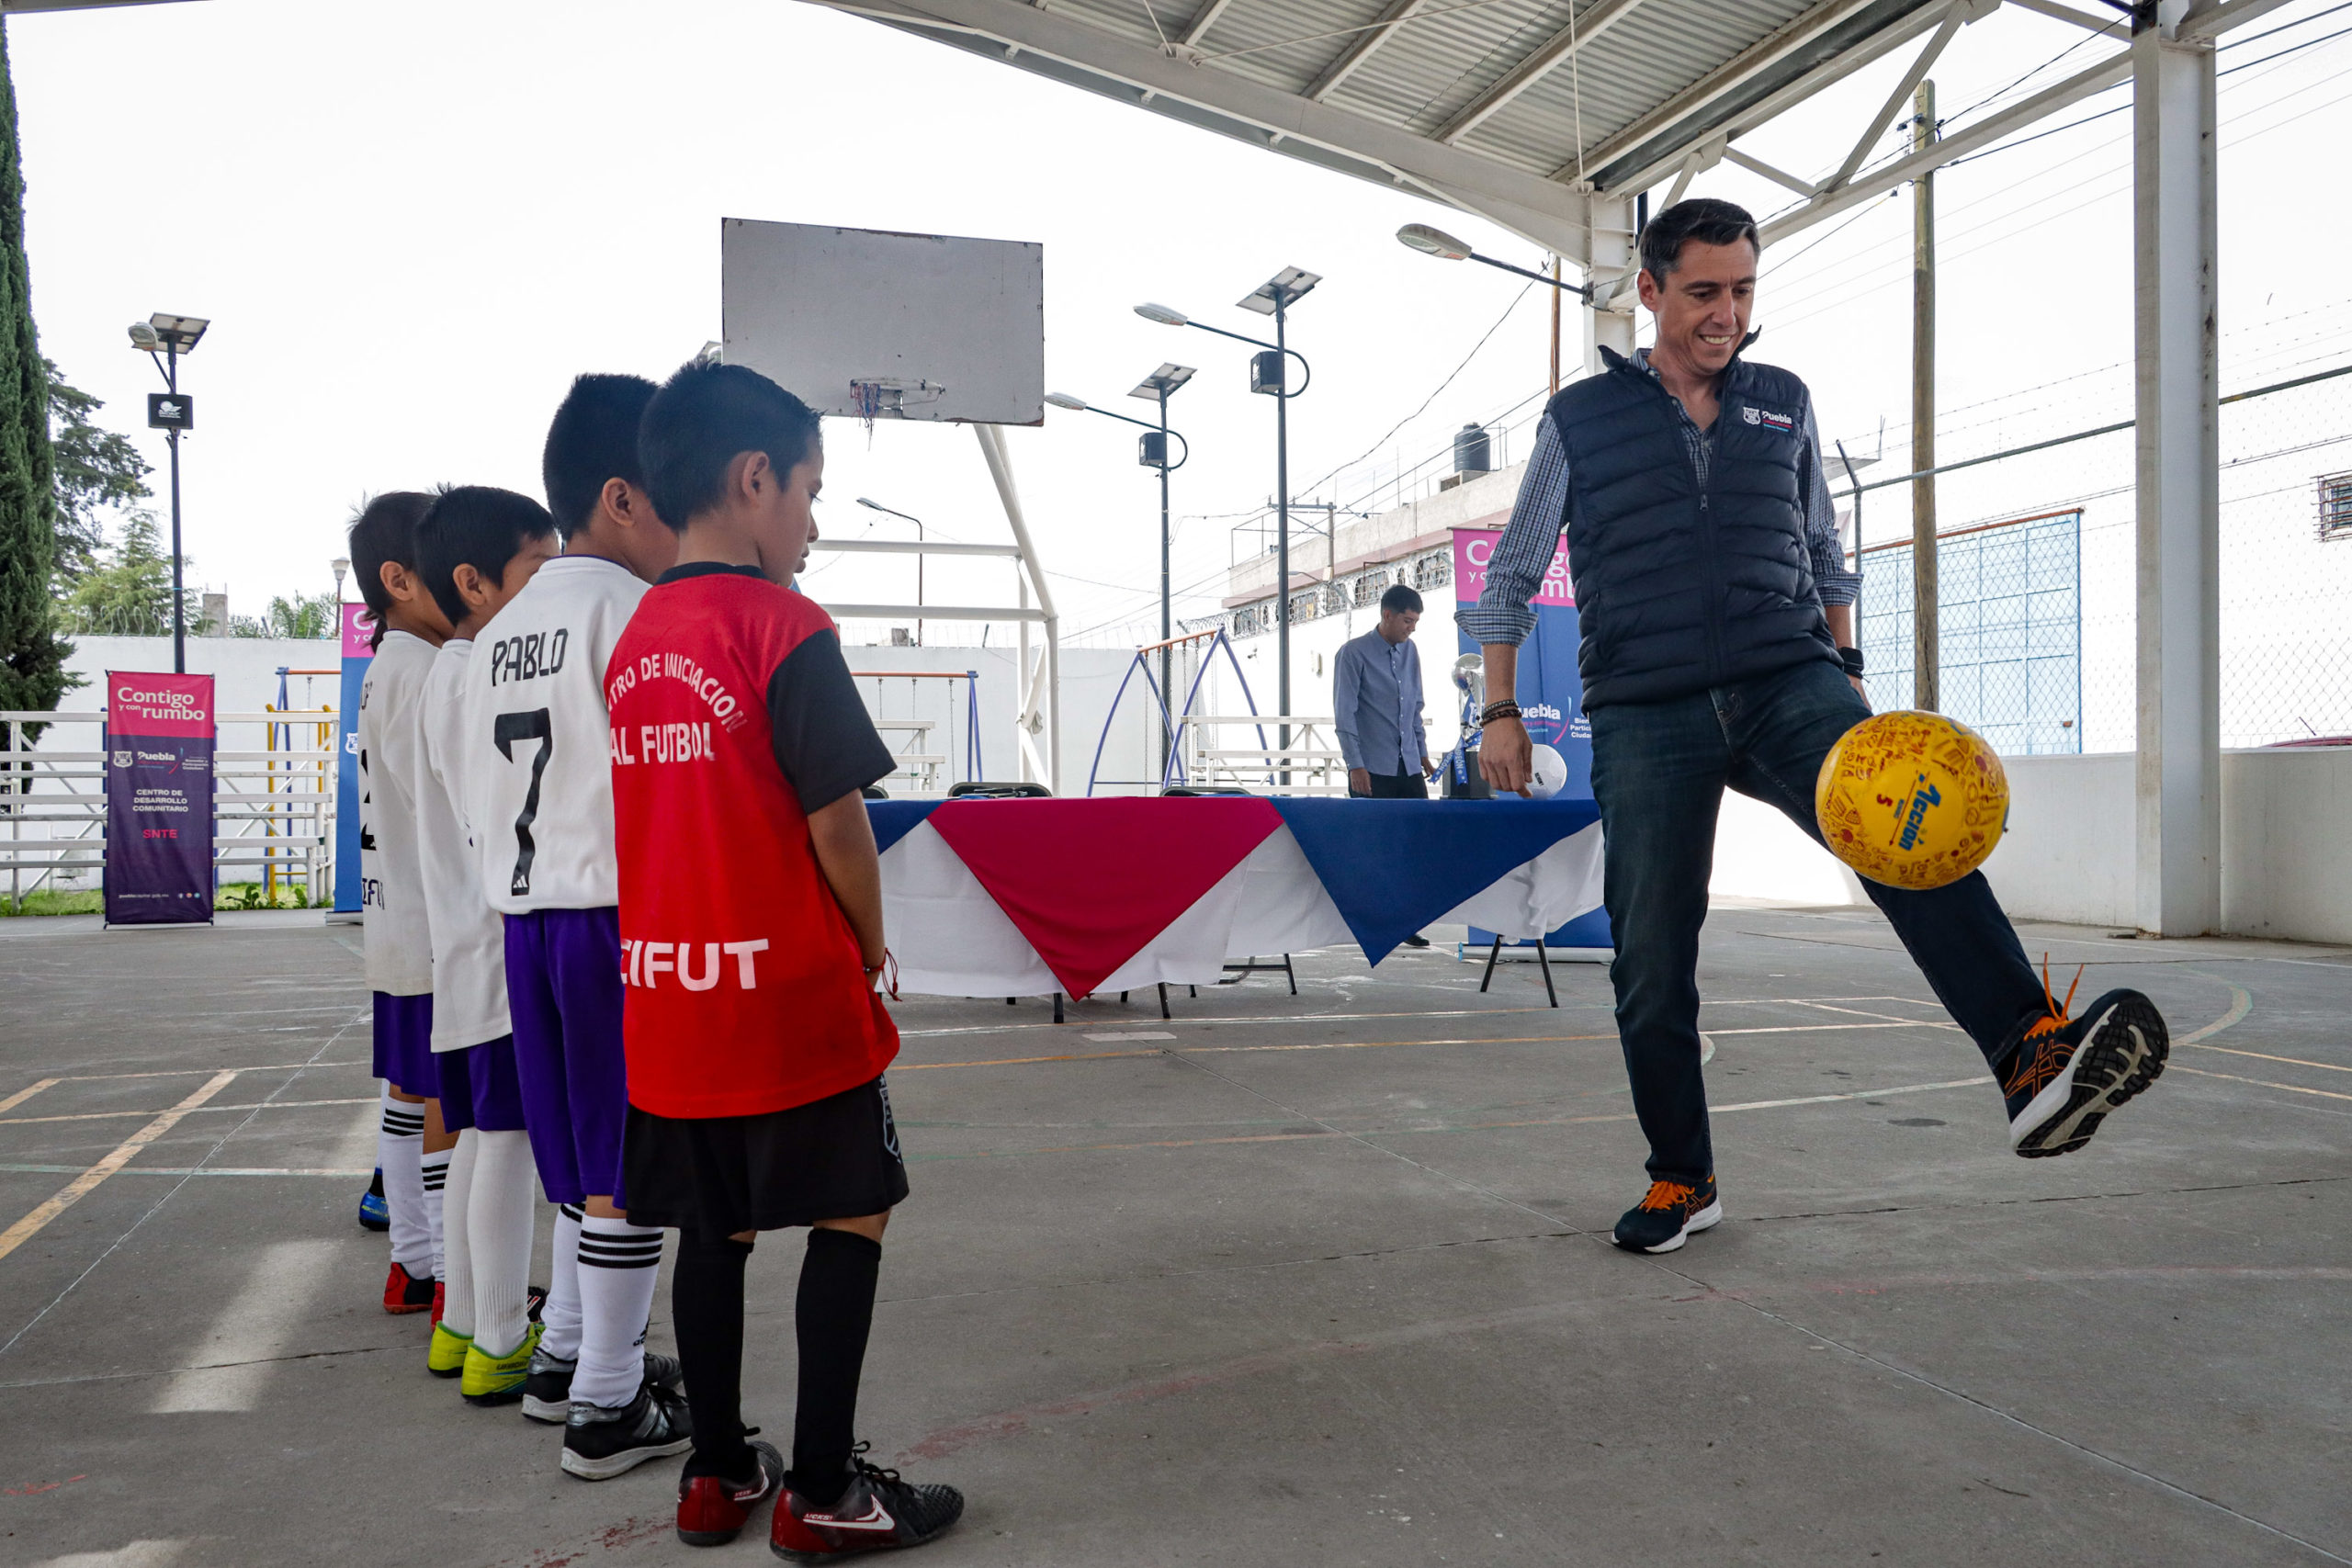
540,801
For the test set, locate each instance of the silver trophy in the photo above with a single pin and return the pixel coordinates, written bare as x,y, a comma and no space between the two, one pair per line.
1470,680
1462,779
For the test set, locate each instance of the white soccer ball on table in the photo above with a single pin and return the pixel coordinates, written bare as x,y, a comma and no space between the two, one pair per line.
1547,772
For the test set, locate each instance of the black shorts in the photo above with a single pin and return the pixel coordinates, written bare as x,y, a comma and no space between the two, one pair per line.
832,1159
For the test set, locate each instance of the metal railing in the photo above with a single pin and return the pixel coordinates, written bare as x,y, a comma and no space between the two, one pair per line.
272,808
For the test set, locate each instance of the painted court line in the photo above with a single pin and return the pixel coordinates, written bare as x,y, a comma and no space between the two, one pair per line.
1354,1017
22,1095
240,1105
362,1171
2263,1083
74,1192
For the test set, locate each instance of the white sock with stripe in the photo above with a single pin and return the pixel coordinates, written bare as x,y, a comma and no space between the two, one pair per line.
618,1265
501,1211
433,1176
457,1248
561,1314
399,1149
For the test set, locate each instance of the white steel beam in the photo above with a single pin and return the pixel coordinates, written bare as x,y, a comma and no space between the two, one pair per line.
1703,99
930,612
2068,14
1547,57
2210,18
1000,470
1985,132
1778,176
1544,212
1201,23
1399,12
2178,437
1957,15
1609,320
912,547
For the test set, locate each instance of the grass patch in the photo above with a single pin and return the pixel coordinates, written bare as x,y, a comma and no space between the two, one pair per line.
49,901
230,895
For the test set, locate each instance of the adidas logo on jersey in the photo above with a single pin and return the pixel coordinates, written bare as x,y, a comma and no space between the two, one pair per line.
644,962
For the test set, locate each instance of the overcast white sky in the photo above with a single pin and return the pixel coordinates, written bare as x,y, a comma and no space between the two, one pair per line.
412,225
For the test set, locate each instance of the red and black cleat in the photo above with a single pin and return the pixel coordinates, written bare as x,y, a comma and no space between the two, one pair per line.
440,1299
405,1293
879,1512
713,1510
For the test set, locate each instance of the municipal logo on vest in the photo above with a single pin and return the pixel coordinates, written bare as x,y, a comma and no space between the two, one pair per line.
1766,417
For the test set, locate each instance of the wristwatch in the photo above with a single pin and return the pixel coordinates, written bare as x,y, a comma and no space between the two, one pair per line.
1851,657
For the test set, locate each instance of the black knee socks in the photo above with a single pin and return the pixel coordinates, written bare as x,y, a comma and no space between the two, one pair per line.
833,1315
707,1310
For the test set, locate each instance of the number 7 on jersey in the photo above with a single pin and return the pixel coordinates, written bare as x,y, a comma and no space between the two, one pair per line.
511,727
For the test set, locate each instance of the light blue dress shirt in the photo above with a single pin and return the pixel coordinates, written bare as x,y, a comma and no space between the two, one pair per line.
1376,699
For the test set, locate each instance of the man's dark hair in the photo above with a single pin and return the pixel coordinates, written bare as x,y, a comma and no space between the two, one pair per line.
592,440
1401,598
1704,218
477,525
702,419
384,529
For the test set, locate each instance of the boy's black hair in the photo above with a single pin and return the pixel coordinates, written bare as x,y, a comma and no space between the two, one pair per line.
477,525
704,418
1401,598
384,529
594,439
1704,218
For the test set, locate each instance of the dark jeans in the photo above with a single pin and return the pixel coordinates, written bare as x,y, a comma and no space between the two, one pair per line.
1659,771
1394,786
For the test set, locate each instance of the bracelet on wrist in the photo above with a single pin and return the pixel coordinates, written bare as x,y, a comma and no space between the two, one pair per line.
1494,711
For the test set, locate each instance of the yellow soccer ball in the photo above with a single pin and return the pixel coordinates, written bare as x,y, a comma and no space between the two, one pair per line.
1911,800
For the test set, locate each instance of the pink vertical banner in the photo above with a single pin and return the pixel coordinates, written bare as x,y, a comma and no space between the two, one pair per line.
160,734
358,649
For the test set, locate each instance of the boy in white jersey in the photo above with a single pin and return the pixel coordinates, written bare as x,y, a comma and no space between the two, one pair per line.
476,549
409,627
542,810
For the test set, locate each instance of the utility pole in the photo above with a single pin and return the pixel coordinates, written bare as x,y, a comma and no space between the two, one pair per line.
1555,327
1925,692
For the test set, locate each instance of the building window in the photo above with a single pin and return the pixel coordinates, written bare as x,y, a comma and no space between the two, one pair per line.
1249,620
2335,506
1434,570
1370,587
1302,607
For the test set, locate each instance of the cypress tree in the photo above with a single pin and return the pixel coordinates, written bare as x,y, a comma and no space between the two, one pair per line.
33,658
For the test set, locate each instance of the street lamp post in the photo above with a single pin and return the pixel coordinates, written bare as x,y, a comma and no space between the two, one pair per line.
906,517
170,336
1269,375
1152,453
1445,247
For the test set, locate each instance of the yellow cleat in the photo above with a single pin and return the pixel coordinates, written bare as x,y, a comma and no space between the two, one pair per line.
497,1380
446,1357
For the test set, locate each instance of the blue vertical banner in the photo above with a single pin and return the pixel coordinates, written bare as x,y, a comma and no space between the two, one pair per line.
358,650
1550,693
161,731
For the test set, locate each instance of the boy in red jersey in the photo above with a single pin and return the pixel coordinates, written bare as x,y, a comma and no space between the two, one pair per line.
755,1039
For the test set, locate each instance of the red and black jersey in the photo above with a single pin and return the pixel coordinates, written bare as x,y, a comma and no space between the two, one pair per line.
734,716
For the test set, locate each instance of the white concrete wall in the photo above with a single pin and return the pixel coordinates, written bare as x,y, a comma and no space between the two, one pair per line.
2286,855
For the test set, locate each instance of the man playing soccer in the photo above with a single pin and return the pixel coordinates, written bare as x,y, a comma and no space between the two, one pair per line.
1717,624
541,806
751,941
409,627
476,548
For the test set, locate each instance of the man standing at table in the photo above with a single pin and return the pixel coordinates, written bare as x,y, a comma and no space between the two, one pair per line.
1377,698
1376,695
1716,618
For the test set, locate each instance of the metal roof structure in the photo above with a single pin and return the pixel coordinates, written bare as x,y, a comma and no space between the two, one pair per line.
1543,116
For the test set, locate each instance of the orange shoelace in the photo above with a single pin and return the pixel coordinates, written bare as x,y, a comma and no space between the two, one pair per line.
2036,1070
1667,1194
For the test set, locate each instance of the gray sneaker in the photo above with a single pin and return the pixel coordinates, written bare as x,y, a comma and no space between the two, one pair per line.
600,1443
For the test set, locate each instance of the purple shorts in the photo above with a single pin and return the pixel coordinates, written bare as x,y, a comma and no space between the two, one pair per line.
563,988
404,1043
477,1087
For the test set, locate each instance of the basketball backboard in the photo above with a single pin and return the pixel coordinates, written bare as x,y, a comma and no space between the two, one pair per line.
866,323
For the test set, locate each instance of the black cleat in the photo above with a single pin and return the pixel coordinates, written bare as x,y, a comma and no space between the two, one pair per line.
879,1512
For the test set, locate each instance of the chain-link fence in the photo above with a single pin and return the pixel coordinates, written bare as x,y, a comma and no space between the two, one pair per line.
2040,538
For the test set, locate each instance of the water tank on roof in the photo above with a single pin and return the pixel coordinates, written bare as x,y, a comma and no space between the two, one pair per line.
1472,452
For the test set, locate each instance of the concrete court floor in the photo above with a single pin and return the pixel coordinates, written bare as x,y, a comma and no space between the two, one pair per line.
1313,1281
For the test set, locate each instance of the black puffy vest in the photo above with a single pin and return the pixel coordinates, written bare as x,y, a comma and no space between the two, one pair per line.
1679,587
